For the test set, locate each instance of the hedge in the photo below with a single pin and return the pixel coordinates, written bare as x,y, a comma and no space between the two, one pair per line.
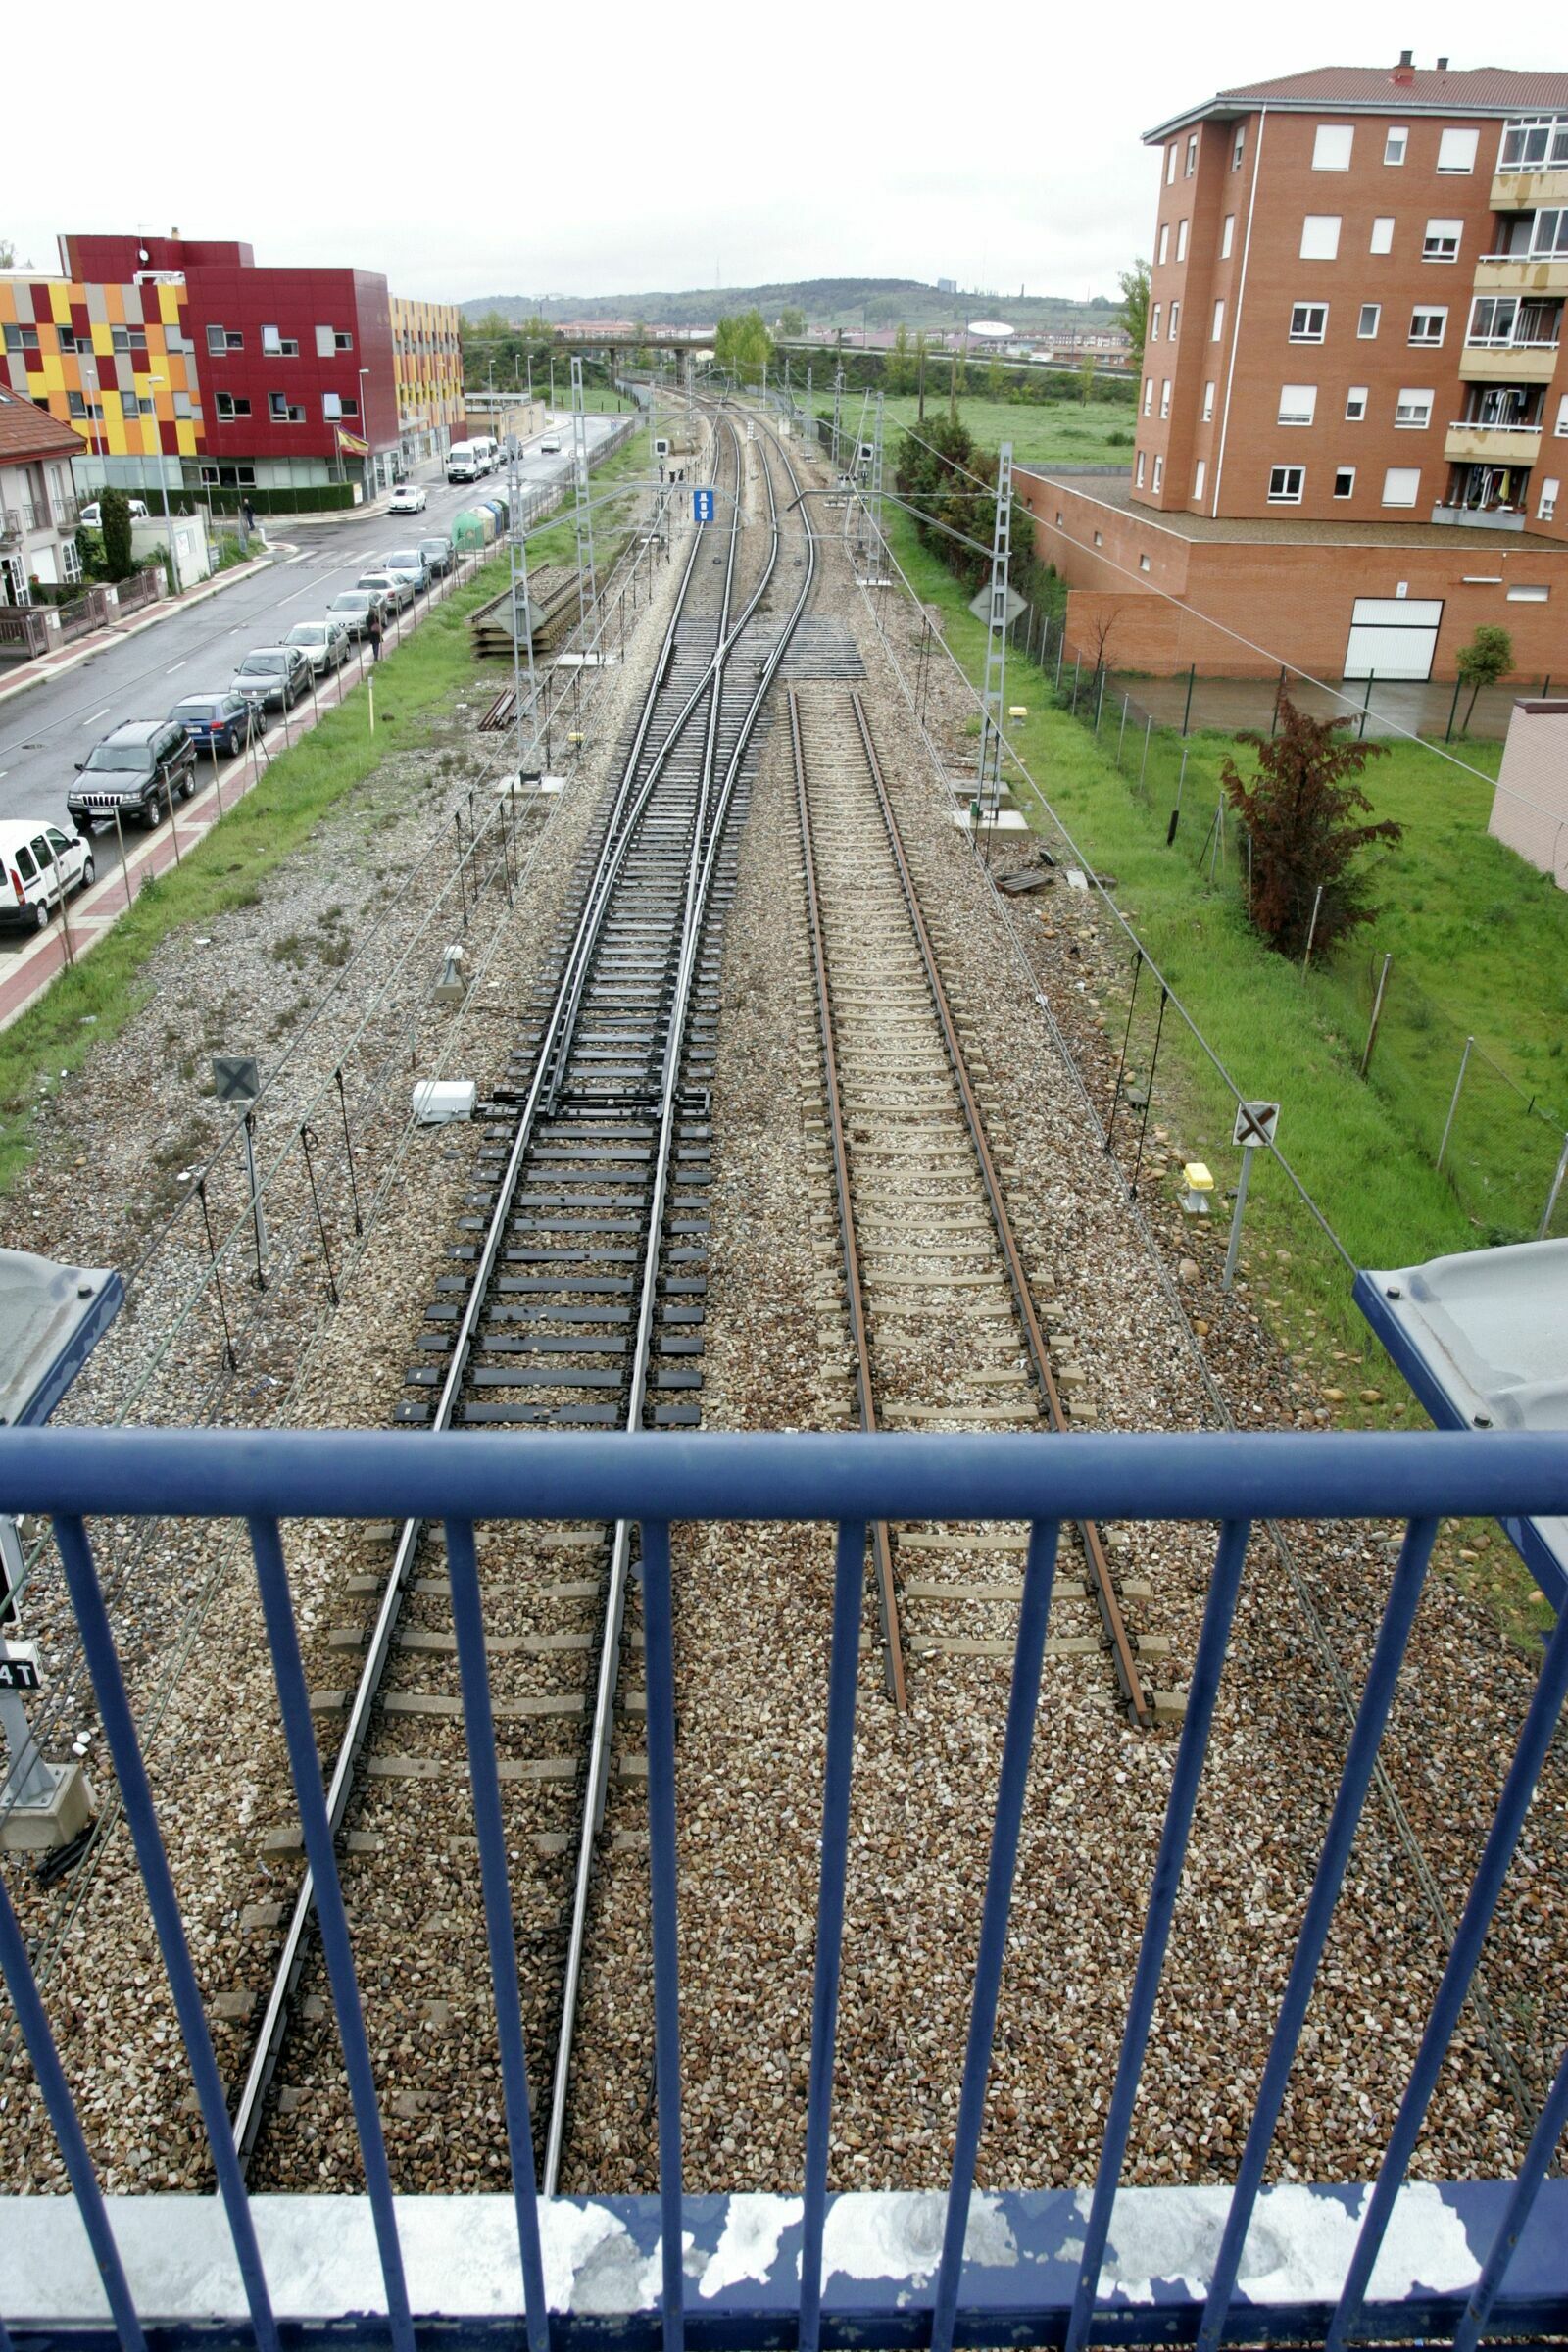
307,498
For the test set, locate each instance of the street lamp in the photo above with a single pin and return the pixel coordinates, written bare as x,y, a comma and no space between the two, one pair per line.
365,430
163,483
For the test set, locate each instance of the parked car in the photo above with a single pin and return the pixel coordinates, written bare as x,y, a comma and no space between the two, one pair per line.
355,605
397,585
408,498
38,864
221,719
323,643
274,676
437,557
408,561
91,515
135,771
550,448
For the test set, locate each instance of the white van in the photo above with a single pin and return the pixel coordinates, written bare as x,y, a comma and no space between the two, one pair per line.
487,451
463,462
38,864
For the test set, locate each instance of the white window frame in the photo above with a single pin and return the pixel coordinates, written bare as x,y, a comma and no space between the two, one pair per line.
1457,140
325,343
1238,147
1283,495
1333,146
1157,484
1382,233
1227,236
332,408
1165,396
1320,236
1561,427
1208,407
1170,163
1181,239
1163,256
1149,396
1138,475
1413,407
1402,474
1547,509
1529,592
1153,323
1396,144
1191,155
1175,321
1356,399
1430,310
1200,477
1217,329
1309,310
1297,405
1346,475
1439,234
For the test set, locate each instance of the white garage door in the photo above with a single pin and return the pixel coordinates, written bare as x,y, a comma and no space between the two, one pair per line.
1393,637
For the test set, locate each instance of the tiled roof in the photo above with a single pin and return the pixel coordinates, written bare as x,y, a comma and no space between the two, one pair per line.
28,432
1389,89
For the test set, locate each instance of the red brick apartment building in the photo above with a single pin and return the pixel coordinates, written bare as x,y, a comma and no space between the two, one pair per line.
1353,423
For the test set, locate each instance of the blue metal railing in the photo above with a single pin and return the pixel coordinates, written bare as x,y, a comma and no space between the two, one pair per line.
1068,2266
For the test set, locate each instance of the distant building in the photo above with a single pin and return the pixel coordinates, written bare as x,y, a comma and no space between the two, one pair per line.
1354,344
947,285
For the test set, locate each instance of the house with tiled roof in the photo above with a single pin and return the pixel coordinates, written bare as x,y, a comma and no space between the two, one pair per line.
37,499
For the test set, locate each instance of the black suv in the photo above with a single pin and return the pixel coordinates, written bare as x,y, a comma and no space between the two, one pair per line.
136,771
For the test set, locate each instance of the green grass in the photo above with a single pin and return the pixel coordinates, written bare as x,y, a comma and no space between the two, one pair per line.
1059,432
230,867
555,541
1353,1145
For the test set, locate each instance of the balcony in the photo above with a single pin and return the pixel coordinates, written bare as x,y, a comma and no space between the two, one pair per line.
1521,273
1493,444
10,526
1525,191
1508,363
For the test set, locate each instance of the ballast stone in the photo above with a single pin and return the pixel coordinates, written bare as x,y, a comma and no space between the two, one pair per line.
437,1102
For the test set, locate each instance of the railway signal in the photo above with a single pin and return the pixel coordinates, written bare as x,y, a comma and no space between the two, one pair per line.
1255,1124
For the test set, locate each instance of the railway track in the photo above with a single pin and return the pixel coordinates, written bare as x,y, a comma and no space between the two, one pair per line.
576,1300
942,1326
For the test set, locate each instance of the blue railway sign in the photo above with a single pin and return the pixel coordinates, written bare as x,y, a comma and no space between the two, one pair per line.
701,506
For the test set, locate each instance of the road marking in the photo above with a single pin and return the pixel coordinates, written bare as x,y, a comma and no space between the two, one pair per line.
303,556
309,589
103,713
174,666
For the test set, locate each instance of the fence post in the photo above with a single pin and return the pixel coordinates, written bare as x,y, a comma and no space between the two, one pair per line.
1061,648
1192,677
1242,1183
1448,1125
1149,728
1099,700
1377,1015
1311,928
1121,732
1274,722
1557,1188
1077,666
1366,706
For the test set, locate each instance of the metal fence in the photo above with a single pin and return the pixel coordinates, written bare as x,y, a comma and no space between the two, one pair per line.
1460,2259
142,588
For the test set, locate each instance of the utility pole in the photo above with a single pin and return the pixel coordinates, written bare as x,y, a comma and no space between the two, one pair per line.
522,611
838,411
583,516
988,778
876,489
811,414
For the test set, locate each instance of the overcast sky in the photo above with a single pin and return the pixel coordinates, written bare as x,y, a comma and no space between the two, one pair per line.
601,150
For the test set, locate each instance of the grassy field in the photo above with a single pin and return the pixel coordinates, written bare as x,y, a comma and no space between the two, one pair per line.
1059,432
1352,1145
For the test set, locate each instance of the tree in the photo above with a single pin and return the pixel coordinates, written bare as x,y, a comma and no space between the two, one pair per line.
1134,312
1487,658
792,320
899,373
1085,375
8,254
943,477
114,520
919,375
743,343
1297,810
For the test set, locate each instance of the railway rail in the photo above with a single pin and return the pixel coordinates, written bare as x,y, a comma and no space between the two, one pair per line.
576,1300
921,1203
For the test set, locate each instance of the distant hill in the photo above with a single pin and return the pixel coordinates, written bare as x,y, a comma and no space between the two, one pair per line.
846,302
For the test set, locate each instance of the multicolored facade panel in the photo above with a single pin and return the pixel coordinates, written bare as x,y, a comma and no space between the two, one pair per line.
113,361
428,356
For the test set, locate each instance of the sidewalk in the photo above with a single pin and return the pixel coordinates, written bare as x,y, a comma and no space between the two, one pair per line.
54,665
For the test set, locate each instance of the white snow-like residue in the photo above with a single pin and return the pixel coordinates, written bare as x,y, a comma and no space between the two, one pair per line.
899,2235
749,2245
1297,2248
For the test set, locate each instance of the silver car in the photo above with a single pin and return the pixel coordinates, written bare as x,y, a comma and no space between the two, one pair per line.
323,643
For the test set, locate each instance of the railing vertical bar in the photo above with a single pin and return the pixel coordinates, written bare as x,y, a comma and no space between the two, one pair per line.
135,1793
659,1666
849,1574
1534,1739
1023,1703
1219,1611
305,1764
1398,1614
1526,2188
55,2090
478,1727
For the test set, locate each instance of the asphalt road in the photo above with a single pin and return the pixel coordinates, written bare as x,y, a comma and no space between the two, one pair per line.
45,730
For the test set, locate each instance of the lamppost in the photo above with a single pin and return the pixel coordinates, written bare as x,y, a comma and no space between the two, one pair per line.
365,430
163,483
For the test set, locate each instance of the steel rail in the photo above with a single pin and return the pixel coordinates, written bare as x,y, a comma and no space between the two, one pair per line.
1117,1638
248,2112
853,1288
703,860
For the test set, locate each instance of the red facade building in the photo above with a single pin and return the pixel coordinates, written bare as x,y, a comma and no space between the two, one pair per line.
288,360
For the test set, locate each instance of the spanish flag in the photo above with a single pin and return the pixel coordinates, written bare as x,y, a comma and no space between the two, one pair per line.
351,442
